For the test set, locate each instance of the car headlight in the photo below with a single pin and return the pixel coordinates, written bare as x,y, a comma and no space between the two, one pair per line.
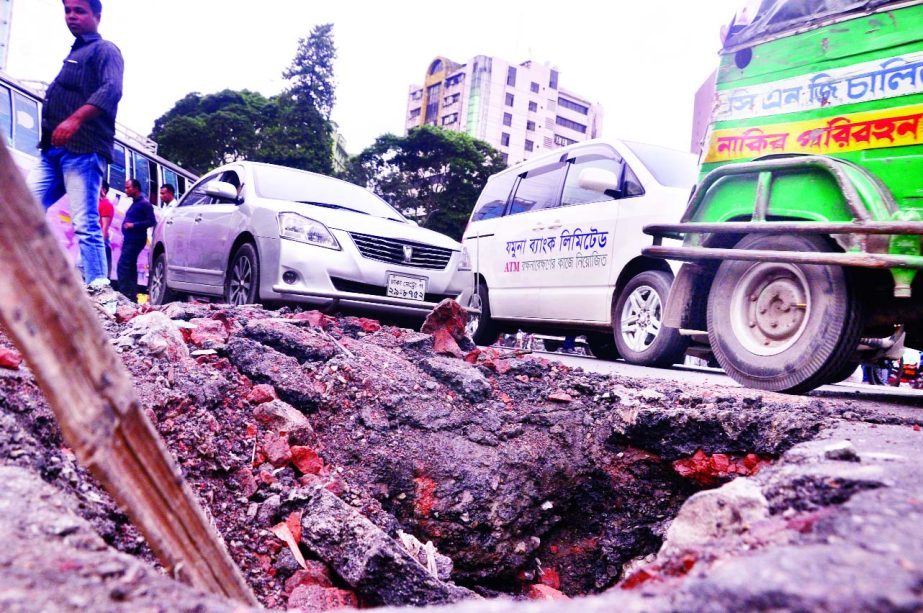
465,262
305,230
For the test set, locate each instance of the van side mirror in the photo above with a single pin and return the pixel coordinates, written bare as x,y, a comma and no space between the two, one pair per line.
222,190
600,180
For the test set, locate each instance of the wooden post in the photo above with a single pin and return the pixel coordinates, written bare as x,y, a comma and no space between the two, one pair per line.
44,307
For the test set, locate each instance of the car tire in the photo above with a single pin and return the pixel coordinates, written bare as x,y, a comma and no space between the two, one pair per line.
159,291
783,327
602,345
481,328
243,280
637,322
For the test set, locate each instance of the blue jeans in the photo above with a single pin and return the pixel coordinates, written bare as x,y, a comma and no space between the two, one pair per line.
61,172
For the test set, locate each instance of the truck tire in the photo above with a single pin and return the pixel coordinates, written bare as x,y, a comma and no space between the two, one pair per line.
481,328
637,322
783,327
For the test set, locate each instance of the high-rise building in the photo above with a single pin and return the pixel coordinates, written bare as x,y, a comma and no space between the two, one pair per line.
520,109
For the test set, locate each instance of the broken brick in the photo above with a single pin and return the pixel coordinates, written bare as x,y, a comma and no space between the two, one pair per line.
560,397
314,573
244,480
208,333
540,591
306,460
317,598
425,496
261,394
551,578
10,358
276,449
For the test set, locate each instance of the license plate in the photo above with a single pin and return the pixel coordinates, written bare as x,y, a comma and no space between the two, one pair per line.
408,288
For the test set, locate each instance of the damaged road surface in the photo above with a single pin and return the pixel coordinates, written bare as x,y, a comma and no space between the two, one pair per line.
350,464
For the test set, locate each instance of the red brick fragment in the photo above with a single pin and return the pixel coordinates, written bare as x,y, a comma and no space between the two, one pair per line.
425,496
245,481
317,598
446,323
10,358
208,333
539,591
916,427
472,356
316,319
125,313
560,397
368,326
276,449
261,394
314,573
551,578
709,470
306,460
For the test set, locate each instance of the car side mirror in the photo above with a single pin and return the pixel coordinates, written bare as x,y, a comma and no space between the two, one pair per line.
222,190
600,180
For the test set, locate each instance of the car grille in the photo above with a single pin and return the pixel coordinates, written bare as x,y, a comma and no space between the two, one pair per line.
392,251
354,287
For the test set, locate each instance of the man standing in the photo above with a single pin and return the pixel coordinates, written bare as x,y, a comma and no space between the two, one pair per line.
167,195
138,219
106,213
78,130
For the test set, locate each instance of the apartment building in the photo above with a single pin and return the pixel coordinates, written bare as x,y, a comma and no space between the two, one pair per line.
520,109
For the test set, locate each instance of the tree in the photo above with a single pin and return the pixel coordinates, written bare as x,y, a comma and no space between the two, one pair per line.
312,69
434,175
202,132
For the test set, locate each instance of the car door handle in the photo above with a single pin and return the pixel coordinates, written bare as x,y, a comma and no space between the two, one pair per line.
169,222
197,219
554,226
538,227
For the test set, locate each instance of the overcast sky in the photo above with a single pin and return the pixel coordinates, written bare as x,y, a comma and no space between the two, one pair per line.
642,60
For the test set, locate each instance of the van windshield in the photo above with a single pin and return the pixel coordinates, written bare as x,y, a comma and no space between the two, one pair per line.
774,16
670,167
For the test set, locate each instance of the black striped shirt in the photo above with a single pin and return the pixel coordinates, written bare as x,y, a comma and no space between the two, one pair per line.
92,74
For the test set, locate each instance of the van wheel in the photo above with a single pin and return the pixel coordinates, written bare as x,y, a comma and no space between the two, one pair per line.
243,282
158,290
783,327
602,345
637,320
481,328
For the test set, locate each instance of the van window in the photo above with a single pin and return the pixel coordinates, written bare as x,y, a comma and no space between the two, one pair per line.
6,115
492,201
539,189
574,194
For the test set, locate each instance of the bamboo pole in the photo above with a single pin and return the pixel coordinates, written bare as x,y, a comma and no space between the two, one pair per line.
44,307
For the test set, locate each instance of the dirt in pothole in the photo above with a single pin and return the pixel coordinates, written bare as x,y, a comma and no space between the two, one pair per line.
522,471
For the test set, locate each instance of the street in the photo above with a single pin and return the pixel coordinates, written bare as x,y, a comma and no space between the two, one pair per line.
903,403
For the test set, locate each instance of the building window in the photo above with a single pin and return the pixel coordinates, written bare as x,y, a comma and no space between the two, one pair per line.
529,145
505,139
573,125
511,76
450,119
509,100
568,104
450,100
505,158
507,119
563,141
414,113
534,87
417,95
530,126
553,80
533,106
454,80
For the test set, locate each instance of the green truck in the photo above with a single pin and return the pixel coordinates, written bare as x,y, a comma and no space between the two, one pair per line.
802,238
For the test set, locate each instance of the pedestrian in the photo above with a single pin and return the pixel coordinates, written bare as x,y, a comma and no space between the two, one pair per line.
138,219
78,132
106,213
167,195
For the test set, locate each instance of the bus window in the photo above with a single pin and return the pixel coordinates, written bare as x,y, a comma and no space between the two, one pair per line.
6,115
146,173
26,133
171,178
117,173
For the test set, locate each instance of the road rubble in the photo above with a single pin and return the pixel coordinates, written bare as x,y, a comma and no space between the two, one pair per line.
351,464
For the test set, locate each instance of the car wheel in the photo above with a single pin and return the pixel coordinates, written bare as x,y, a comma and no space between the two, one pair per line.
158,290
637,321
242,285
783,327
481,328
602,345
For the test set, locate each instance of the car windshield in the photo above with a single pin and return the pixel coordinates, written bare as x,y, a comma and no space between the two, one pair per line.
670,167
775,16
280,183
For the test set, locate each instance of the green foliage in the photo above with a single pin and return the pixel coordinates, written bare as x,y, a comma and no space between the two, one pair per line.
292,129
436,172
312,69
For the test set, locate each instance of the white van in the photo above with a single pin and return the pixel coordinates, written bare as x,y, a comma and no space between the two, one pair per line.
555,243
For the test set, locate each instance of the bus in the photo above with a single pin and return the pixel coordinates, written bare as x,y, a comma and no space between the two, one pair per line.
135,157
